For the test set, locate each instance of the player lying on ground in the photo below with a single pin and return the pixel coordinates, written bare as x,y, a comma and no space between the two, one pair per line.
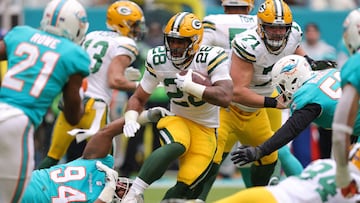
91,177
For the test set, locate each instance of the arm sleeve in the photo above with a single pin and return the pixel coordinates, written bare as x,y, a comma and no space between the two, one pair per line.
298,121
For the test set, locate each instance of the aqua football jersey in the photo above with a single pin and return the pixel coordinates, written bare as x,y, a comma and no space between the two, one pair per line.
323,89
350,73
39,65
76,181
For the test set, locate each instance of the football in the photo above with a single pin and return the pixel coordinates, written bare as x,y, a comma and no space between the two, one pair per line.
198,77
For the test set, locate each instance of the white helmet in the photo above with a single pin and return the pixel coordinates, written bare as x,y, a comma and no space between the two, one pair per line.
65,18
288,75
351,33
123,185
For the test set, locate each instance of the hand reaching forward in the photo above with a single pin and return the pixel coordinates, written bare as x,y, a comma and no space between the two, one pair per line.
245,154
131,125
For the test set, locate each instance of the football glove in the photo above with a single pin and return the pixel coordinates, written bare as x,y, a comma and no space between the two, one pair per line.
320,64
131,125
245,154
185,84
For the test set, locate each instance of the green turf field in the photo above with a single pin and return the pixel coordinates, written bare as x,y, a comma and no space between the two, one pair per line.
154,195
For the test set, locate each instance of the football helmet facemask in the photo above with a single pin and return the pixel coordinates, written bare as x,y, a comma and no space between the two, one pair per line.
351,34
183,28
288,75
274,24
65,18
123,185
126,18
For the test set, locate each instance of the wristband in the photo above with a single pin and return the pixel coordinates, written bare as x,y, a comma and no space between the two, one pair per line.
131,115
197,90
270,102
342,128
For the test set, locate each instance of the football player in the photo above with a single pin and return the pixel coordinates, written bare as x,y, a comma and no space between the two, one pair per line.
111,53
312,97
234,21
190,136
42,63
254,52
346,114
91,177
316,184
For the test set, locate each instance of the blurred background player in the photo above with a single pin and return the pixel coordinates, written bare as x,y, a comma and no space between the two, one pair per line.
41,64
190,136
346,115
111,53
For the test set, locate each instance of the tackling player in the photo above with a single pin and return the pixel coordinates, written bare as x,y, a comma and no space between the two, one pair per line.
91,177
312,97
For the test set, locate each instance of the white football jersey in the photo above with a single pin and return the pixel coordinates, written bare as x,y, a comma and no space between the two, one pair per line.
102,47
316,184
220,29
211,61
249,46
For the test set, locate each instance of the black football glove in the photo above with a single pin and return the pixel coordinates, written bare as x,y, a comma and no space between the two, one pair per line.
321,64
245,154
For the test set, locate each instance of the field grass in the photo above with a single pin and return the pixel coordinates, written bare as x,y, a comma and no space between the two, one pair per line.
154,195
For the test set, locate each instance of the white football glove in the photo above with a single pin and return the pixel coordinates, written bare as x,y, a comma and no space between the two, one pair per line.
185,84
131,125
132,73
182,81
107,194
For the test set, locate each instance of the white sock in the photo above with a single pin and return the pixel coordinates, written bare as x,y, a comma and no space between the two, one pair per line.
139,186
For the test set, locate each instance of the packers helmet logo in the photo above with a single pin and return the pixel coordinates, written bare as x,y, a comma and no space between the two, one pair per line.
124,10
262,8
196,24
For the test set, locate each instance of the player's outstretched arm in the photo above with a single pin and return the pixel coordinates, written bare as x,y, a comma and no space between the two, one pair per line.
344,117
100,144
293,127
